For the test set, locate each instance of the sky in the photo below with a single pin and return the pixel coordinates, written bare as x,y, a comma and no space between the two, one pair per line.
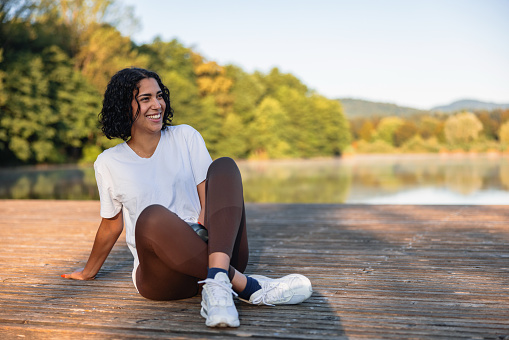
412,53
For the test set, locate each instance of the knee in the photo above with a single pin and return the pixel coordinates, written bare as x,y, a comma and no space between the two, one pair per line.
223,165
149,219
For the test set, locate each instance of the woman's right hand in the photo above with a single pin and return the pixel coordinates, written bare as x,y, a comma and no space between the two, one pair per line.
78,275
105,238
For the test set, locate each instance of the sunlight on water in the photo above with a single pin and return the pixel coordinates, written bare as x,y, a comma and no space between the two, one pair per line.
426,179
439,196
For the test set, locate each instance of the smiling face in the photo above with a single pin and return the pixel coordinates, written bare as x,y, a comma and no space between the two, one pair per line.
150,103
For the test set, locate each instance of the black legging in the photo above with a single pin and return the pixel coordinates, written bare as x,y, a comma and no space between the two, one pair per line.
173,257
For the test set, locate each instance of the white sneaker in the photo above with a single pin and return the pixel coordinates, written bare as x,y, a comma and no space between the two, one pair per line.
288,290
217,302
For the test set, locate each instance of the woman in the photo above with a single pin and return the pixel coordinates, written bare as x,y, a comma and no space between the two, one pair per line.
184,214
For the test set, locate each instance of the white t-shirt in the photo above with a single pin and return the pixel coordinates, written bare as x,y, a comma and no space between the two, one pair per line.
169,178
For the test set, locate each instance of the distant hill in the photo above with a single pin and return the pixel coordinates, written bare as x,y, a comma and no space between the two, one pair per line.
471,105
357,108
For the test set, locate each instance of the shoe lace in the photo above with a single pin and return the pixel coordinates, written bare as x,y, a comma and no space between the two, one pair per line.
219,289
271,291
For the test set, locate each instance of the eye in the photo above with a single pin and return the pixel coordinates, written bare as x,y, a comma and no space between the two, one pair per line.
159,95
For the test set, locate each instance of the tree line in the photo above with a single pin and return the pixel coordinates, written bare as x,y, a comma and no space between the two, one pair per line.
56,57
479,131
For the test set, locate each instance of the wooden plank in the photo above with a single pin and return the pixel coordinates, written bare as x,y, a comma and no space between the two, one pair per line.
395,272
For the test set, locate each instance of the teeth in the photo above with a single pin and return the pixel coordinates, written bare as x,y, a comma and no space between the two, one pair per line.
156,116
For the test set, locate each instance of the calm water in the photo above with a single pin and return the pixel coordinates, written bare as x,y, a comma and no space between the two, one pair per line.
426,179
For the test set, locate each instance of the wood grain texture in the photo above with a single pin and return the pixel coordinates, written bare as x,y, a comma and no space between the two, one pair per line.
395,272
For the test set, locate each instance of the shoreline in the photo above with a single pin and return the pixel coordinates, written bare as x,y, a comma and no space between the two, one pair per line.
345,157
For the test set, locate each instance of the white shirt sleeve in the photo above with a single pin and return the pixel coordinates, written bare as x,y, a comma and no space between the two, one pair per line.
198,154
110,207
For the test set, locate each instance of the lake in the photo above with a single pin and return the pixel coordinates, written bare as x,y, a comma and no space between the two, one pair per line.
367,179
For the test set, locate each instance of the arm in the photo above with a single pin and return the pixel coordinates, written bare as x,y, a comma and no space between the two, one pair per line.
201,193
106,237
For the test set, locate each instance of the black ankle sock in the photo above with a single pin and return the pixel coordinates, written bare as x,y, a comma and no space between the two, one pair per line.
213,271
251,287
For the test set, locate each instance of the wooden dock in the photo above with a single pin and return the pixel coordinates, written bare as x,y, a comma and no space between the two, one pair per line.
379,272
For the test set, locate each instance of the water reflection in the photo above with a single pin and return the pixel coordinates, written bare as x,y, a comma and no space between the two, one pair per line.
316,181
426,179
457,179
390,179
69,182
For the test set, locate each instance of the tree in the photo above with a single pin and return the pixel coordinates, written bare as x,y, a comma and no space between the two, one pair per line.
11,13
268,139
104,53
56,57
234,137
74,100
169,56
3,97
81,18
247,92
275,80
489,123
212,81
387,128
503,133
27,119
404,132
330,126
208,121
50,108
462,128
430,127
366,130
184,97
300,128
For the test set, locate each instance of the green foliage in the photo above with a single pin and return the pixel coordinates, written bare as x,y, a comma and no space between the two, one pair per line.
387,128
90,153
462,128
269,127
234,138
430,126
490,125
275,80
331,126
3,97
58,55
366,131
492,121
404,132
207,121
28,122
42,114
169,57
378,146
106,51
503,133
417,144
483,145
247,91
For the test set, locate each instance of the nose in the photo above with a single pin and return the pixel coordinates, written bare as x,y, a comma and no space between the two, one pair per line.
156,104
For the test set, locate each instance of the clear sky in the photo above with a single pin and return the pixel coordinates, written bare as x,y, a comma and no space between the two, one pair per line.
413,53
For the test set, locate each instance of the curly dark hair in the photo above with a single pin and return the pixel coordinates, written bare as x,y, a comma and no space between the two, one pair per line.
116,117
